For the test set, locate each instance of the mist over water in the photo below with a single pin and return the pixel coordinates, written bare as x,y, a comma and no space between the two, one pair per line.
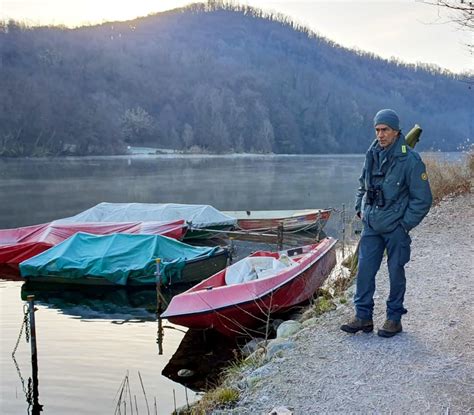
40,190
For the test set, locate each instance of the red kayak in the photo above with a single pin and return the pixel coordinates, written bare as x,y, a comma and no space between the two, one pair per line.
17,245
239,298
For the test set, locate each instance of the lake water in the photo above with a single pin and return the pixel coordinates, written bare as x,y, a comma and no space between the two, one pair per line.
39,190
87,344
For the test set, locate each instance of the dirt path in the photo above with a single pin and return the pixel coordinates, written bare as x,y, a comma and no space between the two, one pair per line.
429,368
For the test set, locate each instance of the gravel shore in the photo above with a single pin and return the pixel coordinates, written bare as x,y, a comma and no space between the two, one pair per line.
429,368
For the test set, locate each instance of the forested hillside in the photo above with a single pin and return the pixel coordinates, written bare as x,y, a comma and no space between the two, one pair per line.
210,78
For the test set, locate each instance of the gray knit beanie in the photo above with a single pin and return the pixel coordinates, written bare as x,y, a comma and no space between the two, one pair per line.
387,117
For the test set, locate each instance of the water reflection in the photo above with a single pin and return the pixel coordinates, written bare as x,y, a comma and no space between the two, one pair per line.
200,358
118,304
85,348
30,388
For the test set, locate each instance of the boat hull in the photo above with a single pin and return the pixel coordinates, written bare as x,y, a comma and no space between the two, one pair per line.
296,220
239,309
194,271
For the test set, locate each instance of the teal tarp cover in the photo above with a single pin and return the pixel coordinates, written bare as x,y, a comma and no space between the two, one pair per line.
117,257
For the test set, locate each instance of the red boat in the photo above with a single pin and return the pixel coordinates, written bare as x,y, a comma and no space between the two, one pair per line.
17,245
292,220
234,302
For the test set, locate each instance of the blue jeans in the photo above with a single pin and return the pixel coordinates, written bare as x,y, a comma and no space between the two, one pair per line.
371,248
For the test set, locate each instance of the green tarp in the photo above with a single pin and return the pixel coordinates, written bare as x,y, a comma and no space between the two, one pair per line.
118,258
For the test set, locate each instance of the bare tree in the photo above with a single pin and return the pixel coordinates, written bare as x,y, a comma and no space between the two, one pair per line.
461,12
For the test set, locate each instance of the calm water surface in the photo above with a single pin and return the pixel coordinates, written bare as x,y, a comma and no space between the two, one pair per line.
84,353
87,346
35,191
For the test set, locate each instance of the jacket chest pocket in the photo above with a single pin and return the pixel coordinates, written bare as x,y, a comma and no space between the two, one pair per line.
393,186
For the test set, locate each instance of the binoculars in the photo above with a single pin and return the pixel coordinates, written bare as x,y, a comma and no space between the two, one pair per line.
375,196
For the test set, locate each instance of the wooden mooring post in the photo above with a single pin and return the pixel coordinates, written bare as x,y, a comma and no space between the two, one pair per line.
231,249
280,230
159,306
36,407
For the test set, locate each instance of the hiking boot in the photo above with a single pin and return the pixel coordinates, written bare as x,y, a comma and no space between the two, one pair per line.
390,328
357,324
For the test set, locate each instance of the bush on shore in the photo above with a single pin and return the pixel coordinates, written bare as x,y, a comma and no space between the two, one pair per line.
449,179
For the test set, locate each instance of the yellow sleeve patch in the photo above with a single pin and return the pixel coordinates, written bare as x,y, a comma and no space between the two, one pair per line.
404,148
424,176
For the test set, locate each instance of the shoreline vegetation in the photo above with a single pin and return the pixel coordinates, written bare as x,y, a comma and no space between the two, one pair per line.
450,182
429,156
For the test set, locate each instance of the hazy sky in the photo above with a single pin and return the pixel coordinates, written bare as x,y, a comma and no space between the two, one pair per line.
406,29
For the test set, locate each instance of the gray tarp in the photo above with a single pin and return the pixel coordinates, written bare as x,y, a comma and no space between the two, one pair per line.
199,216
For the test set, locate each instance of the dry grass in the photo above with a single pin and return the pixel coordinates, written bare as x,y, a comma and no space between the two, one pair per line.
449,179
221,397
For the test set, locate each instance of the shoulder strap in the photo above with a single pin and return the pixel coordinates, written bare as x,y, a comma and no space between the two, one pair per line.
369,164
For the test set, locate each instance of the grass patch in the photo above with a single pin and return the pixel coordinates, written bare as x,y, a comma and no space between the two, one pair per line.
219,398
323,305
449,179
222,396
238,366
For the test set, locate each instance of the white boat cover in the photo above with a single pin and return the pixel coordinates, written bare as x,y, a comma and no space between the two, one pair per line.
256,267
198,216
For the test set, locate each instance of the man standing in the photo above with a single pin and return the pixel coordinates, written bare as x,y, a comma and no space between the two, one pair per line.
393,197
